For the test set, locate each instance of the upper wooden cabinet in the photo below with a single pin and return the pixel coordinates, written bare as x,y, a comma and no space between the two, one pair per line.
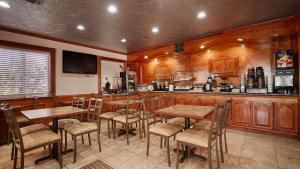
241,113
262,112
224,67
286,117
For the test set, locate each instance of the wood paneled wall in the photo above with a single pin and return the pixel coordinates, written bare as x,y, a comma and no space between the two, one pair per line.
255,50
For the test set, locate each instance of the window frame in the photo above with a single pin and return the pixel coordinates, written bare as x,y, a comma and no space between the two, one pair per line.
36,48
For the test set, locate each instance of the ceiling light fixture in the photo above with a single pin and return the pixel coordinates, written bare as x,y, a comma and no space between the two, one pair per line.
155,29
80,27
202,46
145,57
208,50
201,15
4,4
155,59
166,53
240,39
123,40
112,9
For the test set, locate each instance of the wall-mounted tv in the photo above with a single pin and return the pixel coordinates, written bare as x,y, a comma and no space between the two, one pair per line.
81,63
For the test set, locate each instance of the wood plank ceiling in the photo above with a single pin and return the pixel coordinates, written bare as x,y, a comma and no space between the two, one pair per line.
176,19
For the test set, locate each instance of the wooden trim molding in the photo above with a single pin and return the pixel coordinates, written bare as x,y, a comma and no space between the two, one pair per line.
38,48
13,30
112,59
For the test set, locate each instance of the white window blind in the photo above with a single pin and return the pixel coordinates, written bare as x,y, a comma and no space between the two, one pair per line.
24,73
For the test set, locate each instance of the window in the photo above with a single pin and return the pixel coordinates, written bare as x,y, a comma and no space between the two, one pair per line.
24,73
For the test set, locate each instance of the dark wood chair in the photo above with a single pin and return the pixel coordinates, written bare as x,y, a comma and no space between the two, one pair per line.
30,141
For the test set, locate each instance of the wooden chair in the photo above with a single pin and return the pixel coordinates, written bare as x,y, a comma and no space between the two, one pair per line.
30,141
206,139
24,130
85,128
205,125
163,130
129,118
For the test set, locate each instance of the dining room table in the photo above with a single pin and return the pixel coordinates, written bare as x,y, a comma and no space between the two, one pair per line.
187,112
54,114
123,103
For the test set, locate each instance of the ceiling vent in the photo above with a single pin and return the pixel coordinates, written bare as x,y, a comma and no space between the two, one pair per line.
35,1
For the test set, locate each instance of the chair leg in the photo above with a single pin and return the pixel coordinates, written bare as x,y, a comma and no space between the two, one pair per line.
99,125
82,139
12,151
127,135
148,144
168,151
225,141
99,143
140,129
144,127
209,158
221,148
161,140
22,160
59,148
114,130
108,128
66,141
217,154
75,148
16,157
177,156
61,135
89,136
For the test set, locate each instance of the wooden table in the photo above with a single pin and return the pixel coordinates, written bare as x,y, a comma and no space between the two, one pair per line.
187,112
123,103
54,114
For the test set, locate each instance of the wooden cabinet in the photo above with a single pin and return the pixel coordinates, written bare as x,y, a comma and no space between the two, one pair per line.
241,113
224,67
286,117
162,72
262,113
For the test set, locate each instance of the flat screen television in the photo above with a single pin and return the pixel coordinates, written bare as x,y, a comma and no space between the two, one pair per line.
80,63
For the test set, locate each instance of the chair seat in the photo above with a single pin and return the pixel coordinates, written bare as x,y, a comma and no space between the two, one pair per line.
62,123
33,128
194,137
122,119
22,119
39,138
165,129
81,128
202,125
180,121
109,115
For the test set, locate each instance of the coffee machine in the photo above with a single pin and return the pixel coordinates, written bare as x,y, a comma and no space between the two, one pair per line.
285,72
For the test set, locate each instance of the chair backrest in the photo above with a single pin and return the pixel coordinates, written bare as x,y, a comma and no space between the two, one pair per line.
75,101
133,113
92,102
150,104
227,110
35,103
166,101
78,102
98,107
13,126
216,120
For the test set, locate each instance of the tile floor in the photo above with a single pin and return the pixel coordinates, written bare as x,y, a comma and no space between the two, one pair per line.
246,151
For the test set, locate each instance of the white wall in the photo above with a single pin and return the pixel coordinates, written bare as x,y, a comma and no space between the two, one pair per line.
66,84
110,70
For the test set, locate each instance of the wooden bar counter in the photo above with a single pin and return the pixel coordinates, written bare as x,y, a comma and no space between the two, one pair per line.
267,113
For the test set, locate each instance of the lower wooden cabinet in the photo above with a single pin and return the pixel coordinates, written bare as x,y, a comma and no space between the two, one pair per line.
263,115
241,113
286,117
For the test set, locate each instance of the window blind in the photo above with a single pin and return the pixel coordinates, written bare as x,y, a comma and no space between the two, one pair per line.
24,73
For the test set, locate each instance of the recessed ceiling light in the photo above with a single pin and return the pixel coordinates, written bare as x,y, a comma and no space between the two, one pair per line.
80,27
112,9
123,40
202,46
201,15
275,35
4,4
155,59
242,45
145,57
155,29
166,53
208,50
240,39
